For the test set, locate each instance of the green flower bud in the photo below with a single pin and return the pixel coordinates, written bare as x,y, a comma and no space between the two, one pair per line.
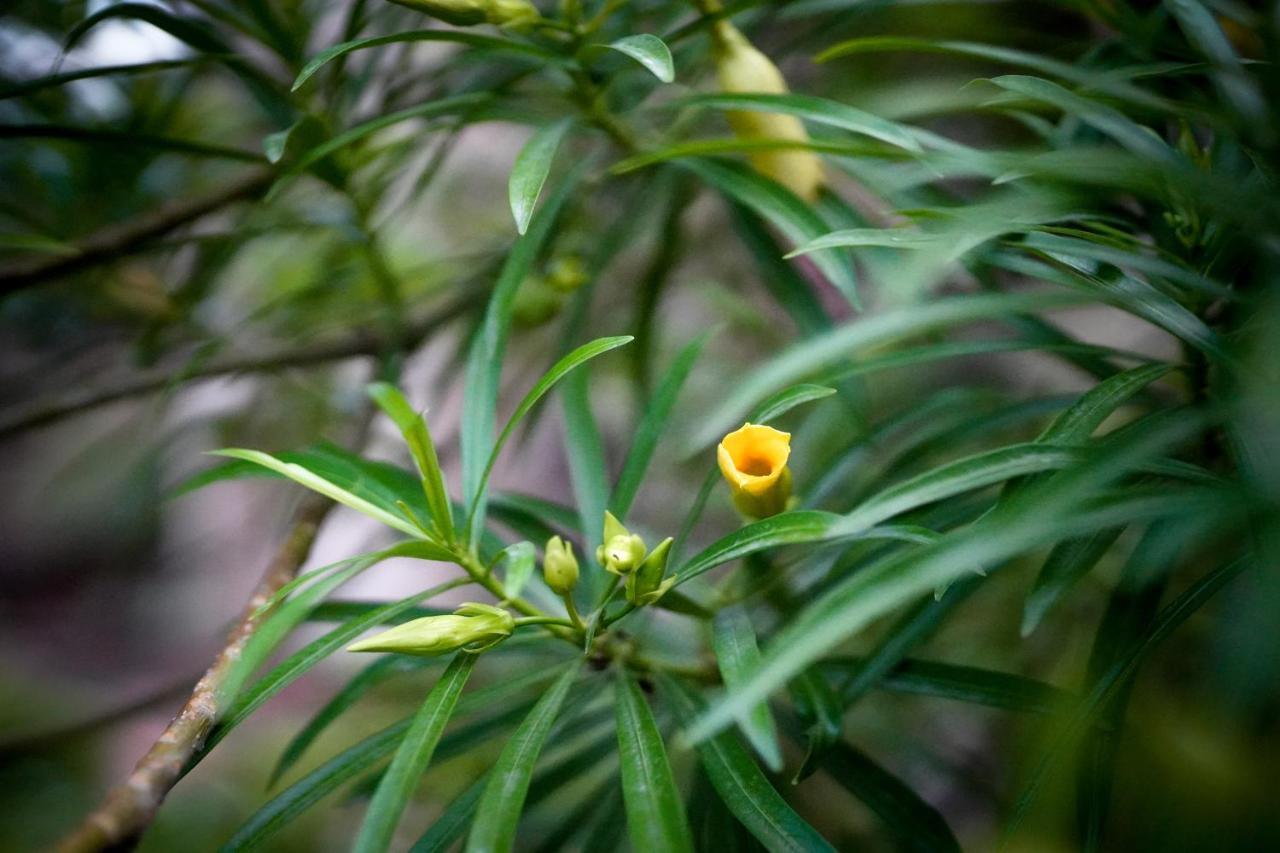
559,566
536,302
567,273
473,627
622,550
466,13
645,585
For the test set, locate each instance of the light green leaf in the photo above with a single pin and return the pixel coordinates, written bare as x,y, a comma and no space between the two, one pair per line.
584,451
650,51
306,477
519,559
486,43
412,757
558,371
413,426
814,109
742,787
734,642
494,828
530,171
655,815
786,528
649,430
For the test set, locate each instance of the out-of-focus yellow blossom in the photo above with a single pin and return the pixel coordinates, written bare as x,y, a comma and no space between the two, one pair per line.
559,566
622,550
474,627
465,13
753,460
742,69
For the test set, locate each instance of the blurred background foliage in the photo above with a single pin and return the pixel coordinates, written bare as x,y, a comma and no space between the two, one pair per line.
196,253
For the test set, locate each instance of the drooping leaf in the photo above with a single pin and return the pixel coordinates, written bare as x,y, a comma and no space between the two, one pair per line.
655,815
412,757
734,641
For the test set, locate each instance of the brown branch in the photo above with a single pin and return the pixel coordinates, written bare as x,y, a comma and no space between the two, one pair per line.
129,808
124,238
360,344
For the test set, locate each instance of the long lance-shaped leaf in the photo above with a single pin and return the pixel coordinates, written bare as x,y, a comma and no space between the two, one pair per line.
412,757
306,477
1063,506
823,351
350,763
413,426
494,829
558,371
915,824
1068,562
301,661
1095,702
742,786
734,642
961,683
781,207
813,109
484,361
584,451
487,43
655,815
385,667
651,426
453,822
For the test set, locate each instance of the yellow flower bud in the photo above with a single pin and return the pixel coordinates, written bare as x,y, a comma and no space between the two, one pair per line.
567,273
743,69
474,627
622,550
466,13
645,585
753,460
559,566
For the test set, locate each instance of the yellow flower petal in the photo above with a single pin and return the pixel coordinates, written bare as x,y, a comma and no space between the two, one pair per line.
754,457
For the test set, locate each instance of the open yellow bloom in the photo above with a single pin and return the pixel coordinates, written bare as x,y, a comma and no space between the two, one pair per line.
753,460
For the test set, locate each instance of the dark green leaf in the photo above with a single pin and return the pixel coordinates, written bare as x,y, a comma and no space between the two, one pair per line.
655,815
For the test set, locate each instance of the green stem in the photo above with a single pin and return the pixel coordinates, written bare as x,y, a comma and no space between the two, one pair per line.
570,606
544,620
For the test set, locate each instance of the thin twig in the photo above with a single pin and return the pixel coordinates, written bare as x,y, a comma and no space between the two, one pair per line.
130,807
79,400
124,238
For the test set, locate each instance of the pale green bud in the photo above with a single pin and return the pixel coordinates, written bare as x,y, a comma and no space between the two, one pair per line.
559,566
622,550
465,13
474,627
567,273
645,585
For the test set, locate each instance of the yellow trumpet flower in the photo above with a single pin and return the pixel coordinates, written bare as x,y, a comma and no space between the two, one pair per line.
753,460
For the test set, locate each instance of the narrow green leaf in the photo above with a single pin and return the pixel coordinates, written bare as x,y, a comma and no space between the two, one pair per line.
781,207
961,683
584,450
787,399
742,786
306,477
486,43
449,827
806,358
649,430
734,642
655,815
494,828
814,109
1069,561
413,426
484,360
558,371
1094,703
650,51
530,171
822,714
301,661
786,528
412,757
1079,422
380,670
917,825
